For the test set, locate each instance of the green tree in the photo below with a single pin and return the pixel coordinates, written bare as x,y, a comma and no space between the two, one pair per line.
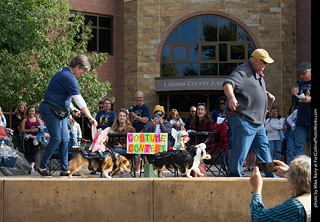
37,39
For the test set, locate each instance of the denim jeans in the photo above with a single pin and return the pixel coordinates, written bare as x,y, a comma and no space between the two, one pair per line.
301,134
276,147
247,135
59,139
290,147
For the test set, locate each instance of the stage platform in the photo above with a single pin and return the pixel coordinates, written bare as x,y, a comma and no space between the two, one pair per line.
133,199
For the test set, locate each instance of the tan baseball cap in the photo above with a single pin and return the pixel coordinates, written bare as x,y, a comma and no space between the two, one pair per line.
159,108
263,55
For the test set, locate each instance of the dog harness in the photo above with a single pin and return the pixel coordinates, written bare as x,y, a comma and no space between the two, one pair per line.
88,154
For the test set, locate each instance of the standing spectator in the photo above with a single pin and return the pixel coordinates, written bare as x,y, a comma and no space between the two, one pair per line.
121,125
62,86
291,120
19,115
288,143
273,126
298,208
303,125
219,111
140,114
175,120
203,123
247,104
29,125
76,129
193,111
3,121
105,117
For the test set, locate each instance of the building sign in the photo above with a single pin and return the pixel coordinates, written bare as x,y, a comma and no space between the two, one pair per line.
146,143
186,84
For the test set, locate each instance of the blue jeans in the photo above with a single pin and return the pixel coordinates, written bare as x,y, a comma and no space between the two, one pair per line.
276,147
247,135
290,147
59,139
121,151
301,133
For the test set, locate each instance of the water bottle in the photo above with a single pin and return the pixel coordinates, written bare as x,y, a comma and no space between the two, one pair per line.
2,144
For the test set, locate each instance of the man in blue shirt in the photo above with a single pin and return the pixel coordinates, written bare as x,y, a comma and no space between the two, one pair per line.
303,124
106,117
140,114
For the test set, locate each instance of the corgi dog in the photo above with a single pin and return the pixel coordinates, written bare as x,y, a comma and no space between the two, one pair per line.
109,164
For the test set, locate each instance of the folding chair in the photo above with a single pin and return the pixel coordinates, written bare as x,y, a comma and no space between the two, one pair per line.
219,151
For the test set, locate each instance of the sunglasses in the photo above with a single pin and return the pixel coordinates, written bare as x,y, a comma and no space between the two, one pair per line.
173,110
222,104
304,72
100,107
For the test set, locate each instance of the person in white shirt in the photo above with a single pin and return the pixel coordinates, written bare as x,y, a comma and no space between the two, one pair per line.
273,126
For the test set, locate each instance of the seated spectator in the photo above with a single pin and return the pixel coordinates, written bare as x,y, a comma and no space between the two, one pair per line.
273,126
175,119
3,121
105,117
203,123
76,129
121,125
193,111
219,111
298,208
29,127
139,116
16,121
158,124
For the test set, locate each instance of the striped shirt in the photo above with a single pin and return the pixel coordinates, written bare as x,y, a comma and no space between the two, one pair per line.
290,210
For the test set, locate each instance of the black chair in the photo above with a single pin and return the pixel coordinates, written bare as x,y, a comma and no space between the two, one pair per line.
217,156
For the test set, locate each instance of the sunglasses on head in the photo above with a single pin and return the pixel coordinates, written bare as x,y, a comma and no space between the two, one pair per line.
173,110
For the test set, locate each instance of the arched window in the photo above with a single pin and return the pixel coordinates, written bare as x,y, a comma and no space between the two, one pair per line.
205,45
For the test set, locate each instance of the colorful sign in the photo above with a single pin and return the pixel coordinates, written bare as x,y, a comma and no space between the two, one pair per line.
146,143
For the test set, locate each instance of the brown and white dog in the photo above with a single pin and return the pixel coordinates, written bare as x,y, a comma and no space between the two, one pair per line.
108,166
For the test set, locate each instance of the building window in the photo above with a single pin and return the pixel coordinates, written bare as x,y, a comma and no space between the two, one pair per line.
102,27
205,46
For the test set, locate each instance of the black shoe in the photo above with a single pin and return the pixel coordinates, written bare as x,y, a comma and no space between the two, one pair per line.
43,173
63,174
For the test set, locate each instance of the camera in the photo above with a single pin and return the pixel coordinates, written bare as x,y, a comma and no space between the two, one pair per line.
267,166
130,110
156,116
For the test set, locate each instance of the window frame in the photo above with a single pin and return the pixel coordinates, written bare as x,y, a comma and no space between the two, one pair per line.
98,28
204,43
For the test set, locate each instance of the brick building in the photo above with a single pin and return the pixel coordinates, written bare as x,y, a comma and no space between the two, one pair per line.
178,52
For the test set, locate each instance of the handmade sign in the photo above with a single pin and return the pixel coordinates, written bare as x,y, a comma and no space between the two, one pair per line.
146,143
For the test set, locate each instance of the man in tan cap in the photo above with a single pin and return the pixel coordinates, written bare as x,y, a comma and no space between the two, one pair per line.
246,110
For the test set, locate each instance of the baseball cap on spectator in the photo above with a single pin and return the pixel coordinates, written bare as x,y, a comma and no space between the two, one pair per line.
304,66
262,55
159,108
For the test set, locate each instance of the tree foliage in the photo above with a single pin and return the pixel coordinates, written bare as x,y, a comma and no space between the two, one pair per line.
38,38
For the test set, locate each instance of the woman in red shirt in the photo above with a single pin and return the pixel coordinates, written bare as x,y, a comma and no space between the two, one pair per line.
203,123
